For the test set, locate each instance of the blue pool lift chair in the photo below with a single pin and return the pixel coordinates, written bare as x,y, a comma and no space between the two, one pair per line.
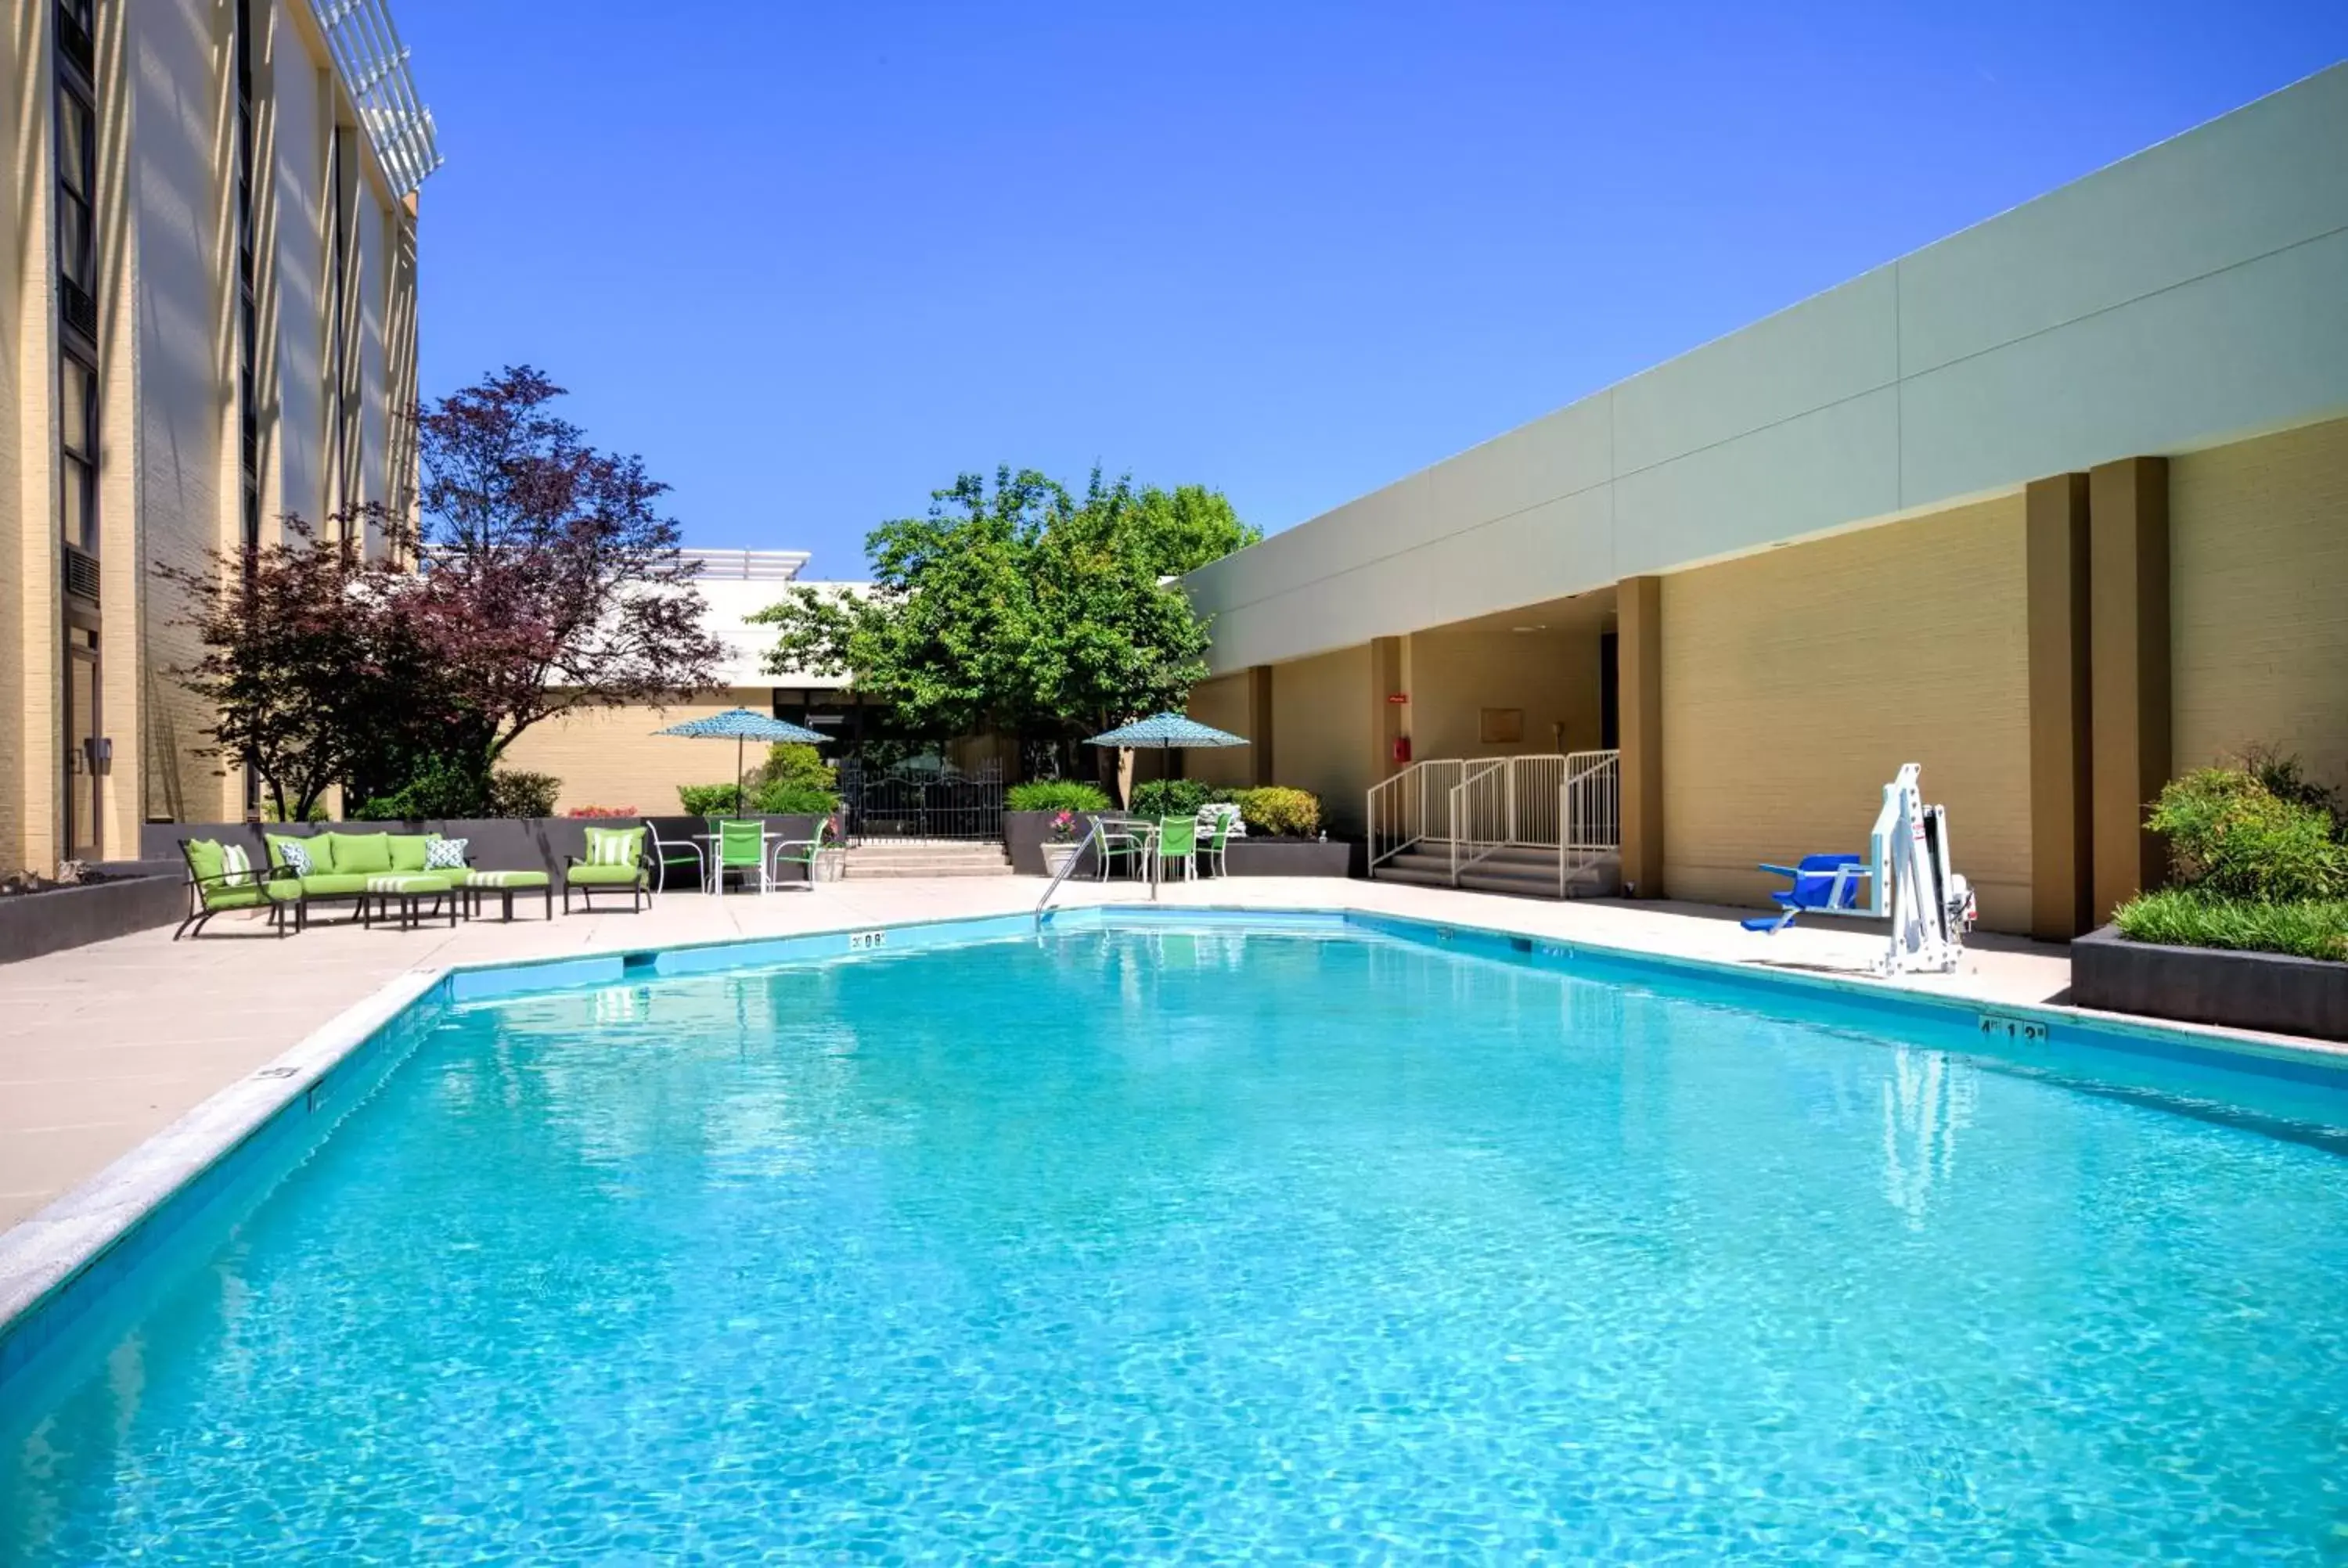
1822,885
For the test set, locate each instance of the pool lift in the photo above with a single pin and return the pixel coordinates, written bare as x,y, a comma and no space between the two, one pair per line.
1905,878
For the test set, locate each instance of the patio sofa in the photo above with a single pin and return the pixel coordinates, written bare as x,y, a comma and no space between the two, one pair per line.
360,867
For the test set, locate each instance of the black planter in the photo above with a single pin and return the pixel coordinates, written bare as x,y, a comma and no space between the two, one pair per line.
1024,834
32,924
1294,858
2268,991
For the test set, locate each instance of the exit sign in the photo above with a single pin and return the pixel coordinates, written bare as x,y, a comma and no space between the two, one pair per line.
1398,697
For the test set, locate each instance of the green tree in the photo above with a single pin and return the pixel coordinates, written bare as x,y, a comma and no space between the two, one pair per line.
1021,607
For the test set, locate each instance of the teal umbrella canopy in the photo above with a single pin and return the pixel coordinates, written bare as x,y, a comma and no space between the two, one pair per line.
740,724
1166,731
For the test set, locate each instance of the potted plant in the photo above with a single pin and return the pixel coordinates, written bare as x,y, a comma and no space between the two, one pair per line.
1062,847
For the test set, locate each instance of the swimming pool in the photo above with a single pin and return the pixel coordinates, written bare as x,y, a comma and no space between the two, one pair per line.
1221,1241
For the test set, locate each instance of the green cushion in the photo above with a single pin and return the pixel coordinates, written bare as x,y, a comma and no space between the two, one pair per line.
418,882
359,851
314,847
408,851
603,876
511,878
204,857
334,883
284,890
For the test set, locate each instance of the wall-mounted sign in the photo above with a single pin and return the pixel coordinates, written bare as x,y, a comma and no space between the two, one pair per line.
1398,697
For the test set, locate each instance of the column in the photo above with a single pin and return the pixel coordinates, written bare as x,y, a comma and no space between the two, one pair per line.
1259,710
2061,805
1638,649
1385,717
2128,719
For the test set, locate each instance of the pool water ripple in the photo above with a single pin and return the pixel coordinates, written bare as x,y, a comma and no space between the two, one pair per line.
1212,1247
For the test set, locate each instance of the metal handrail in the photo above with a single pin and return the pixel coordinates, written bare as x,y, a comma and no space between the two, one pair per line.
1092,837
1399,808
1465,806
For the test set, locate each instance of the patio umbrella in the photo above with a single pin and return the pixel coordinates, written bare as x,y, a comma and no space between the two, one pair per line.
742,724
1164,732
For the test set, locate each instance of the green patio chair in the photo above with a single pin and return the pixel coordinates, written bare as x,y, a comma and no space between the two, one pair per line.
1178,844
806,851
1218,825
614,863
223,876
1120,846
668,852
741,849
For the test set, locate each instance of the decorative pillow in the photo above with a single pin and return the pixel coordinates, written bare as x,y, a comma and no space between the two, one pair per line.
294,855
409,852
614,846
445,853
236,865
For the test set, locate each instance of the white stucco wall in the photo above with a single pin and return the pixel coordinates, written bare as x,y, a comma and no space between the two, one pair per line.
2190,295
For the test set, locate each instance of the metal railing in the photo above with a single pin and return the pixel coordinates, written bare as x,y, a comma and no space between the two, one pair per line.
1589,812
1472,808
1411,807
1092,841
1483,809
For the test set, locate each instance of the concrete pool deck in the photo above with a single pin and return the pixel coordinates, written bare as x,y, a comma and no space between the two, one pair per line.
102,1047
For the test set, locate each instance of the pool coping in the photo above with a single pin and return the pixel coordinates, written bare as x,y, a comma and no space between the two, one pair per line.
43,1256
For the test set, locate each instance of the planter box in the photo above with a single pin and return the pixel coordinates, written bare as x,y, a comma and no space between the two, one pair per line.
1294,858
32,924
1025,832
2268,991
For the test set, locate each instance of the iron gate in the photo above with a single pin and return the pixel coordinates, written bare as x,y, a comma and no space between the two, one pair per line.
924,802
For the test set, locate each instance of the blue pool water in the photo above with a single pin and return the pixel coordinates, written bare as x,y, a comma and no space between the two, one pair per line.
1151,1243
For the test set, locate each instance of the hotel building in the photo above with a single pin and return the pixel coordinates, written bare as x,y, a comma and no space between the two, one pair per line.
206,321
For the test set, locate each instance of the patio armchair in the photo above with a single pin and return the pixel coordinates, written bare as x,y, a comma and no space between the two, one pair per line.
1123,844
222,876
806,851
740,849
668,852
614,863
1178,844
1218,825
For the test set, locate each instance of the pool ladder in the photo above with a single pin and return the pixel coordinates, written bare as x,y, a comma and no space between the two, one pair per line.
1091,838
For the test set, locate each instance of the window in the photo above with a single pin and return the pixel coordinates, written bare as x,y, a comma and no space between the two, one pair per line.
248,311
77,223
77,419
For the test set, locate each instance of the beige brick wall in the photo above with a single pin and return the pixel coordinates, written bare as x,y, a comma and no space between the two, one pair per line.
1550,676
610,756
1795,682
1321,730
2258,599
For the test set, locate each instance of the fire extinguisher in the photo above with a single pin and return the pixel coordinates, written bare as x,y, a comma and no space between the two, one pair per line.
1401,749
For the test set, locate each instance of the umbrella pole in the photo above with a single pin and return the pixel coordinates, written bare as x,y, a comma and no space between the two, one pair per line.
737,775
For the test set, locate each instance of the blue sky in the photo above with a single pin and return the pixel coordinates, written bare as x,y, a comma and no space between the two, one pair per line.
813,261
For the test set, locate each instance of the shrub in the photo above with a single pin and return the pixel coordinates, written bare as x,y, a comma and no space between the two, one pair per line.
1055,795
1278,812
513,792
2231,835
711,799
794,763
599,812
1167,797
2183,917
787,797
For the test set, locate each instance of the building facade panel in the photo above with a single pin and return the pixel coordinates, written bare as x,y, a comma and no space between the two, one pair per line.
2254,182
1321,717
612,757
1828,350
1796,682
2111,328
1222,703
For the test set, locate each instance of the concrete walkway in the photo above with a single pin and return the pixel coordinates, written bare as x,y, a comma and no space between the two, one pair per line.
103,1045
